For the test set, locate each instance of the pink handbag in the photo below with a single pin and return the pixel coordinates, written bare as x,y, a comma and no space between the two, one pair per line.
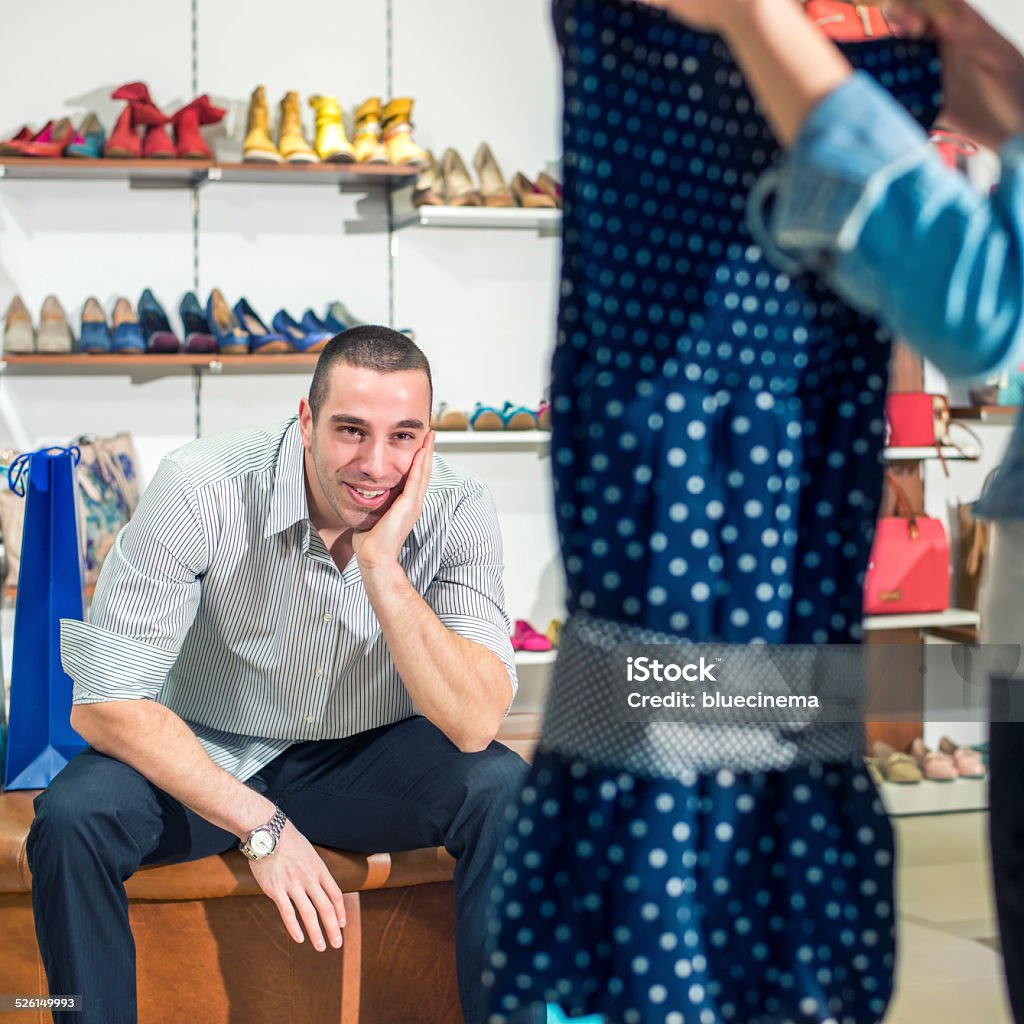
908,570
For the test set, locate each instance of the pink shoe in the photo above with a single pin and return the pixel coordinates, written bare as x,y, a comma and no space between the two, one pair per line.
969,763
526,638
936,766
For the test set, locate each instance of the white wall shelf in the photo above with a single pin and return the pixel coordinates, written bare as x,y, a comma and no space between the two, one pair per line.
923,620
535,657
544,221
922,454
498,440
928,797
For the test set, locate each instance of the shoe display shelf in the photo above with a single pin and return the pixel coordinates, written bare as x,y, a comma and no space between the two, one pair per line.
404,215
163,174
494,440
150,366
916,454
999,414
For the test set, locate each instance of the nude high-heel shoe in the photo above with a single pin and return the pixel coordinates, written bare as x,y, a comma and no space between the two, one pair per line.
530,195
429,190
493,187
459,187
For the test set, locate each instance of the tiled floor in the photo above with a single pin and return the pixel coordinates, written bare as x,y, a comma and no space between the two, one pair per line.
950,970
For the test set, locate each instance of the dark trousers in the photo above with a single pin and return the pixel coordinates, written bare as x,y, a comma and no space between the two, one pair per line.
399,787
1006,833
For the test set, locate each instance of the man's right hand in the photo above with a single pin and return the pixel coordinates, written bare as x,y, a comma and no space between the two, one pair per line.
297,880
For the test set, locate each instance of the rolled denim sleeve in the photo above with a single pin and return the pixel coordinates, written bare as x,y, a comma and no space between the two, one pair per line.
863,201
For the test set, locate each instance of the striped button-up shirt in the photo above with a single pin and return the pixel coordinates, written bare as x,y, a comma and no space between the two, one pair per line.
220,601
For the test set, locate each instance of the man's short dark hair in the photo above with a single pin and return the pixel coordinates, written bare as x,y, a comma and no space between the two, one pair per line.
368,346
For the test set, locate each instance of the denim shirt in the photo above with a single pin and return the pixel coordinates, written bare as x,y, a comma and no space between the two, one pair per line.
863,201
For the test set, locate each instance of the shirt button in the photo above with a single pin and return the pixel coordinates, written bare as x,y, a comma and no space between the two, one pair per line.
328,616
310,719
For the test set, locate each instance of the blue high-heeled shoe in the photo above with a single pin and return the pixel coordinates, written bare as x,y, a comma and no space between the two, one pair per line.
95,333
262,339
156,328
198,335
312,324
303,339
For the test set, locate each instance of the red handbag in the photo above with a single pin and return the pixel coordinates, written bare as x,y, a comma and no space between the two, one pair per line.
908,570
919,420
848,22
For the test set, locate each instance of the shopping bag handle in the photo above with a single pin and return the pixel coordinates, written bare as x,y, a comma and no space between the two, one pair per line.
19,468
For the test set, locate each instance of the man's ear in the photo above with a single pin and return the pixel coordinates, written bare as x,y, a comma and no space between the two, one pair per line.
306,422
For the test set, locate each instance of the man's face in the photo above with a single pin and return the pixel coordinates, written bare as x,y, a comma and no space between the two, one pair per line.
360,449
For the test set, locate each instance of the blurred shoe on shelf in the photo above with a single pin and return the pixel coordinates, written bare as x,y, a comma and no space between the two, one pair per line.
366,136
493,187
547,183
291,143
51,141
127,335
302,340
486,417
530,195
396,122
19,334
262,340
896,766
544,416
87,143
340,318
330,142
156,328
95,333
125,142
258,146
54,333
429,188
189,143
969,763
526,638
156,144
449,419
312,324
232,338
198,334
518,417
936,767
458,185
554,632
13,145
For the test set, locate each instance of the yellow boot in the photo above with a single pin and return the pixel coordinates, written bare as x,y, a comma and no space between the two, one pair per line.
331,142
366,140
291,142
259,146
398,134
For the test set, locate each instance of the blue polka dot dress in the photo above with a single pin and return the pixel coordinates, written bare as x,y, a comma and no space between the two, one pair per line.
717,428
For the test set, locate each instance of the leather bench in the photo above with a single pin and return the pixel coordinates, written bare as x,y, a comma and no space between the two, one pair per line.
211,948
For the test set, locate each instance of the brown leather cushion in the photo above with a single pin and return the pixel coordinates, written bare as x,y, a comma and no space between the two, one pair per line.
225,874
228,874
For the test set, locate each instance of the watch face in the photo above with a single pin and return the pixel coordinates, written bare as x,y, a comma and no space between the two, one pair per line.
262,842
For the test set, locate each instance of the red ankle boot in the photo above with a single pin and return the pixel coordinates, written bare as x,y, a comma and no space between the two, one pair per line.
143,114
124,143
190,143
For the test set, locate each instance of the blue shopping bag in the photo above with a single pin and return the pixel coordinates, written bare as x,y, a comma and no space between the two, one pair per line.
40,740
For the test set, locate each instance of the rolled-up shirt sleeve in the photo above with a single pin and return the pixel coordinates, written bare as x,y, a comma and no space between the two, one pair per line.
863,201
146,598
468,592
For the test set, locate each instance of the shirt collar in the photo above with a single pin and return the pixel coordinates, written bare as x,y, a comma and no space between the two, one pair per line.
288,498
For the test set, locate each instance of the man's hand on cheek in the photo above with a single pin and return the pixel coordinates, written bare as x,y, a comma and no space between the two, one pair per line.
379,547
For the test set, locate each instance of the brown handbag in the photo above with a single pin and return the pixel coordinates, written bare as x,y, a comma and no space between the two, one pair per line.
971,550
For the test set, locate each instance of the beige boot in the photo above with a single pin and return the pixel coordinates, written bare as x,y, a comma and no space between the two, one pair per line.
331,141
397,123
291,142
259,146
366,140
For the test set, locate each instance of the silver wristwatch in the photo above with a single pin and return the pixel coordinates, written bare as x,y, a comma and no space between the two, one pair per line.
262,841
